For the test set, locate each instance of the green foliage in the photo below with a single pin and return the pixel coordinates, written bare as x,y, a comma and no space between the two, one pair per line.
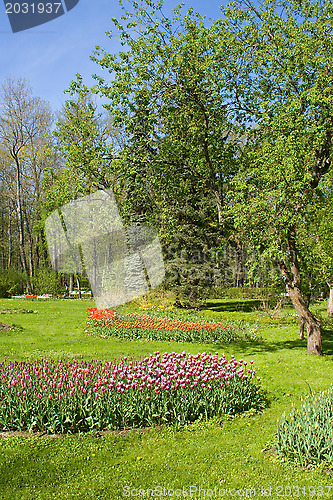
285,86
190,265
84,138
322,228
189,281
288,92
306,434
46,281
326,321
11,283
168,96
246,292
213,106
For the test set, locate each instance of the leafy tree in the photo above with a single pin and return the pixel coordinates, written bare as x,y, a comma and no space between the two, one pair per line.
243,108
85,142
285,85
83,146
168,94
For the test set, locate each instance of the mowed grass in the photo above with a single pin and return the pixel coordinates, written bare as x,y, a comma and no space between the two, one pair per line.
223,455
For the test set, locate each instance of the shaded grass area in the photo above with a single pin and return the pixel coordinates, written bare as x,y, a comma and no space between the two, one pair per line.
232,305
225,454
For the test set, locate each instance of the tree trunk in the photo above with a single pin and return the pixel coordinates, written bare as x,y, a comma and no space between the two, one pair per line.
9,241
19,216
301,330
31,251
309,322
71,283
44,252
330,300
292,281
219,205
78,286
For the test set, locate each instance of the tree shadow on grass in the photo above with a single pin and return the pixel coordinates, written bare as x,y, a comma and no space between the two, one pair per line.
327,340
258,347
232,306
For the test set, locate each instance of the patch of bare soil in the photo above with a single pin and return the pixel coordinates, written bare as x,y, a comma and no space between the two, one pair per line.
270,451
4,327
97,434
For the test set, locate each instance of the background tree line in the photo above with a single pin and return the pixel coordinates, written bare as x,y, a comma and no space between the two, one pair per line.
219,134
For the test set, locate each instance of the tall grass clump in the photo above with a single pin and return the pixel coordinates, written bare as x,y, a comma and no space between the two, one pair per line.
305,436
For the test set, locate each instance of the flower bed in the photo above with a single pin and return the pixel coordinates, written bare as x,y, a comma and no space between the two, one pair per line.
31,297
59,396
26,296
107,322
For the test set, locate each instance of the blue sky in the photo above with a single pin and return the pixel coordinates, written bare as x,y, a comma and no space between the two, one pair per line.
50,55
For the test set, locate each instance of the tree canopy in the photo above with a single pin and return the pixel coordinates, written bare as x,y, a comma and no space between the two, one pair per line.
243,106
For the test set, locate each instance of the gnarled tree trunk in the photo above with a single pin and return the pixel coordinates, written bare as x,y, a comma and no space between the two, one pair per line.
310,323
292,281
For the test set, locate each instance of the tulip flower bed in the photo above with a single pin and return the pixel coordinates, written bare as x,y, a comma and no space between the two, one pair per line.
59,396
107,323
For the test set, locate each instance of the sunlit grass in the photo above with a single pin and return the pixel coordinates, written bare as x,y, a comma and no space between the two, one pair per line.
224,454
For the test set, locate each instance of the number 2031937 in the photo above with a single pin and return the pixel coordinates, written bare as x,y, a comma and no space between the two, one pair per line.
298,491
33,8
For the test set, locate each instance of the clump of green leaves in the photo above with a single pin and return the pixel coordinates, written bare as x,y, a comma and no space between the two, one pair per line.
306,434
46,281
11,282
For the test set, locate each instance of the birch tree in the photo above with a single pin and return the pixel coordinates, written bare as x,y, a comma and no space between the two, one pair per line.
24,121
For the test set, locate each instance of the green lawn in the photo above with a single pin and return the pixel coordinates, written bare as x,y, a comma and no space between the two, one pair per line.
224,456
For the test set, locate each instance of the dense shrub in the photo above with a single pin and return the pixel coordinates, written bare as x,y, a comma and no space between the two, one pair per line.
267,294
171,388
189,280
306,434
11,283
46,281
